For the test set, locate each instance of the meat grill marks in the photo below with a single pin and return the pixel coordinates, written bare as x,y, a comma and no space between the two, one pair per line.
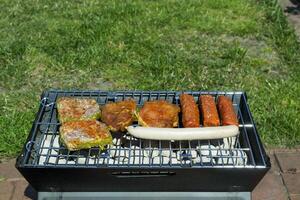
190,111
160,113
118,115
209,111
226,110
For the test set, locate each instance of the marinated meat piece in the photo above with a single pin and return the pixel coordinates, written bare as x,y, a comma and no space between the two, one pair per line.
74,109
77,135
190,111
118,115
159,113
209,111
226,110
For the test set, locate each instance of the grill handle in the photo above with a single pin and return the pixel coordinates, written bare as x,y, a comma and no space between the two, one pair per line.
142,174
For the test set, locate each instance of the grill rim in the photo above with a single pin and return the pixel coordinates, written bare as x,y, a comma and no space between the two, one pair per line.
24,156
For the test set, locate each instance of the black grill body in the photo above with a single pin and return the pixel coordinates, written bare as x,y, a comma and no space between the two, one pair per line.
132,164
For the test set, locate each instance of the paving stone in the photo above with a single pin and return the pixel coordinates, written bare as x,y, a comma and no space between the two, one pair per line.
289,162
295,197
271,186
275,166
292,181
6,190
20,192
8,170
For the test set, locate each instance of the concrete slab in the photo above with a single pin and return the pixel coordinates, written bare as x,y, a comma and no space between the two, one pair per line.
271,187
6,190
19,192
292,182
275,167
295,197
8,170
289,162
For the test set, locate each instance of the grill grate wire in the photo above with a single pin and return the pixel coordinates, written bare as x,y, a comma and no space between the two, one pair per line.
44,149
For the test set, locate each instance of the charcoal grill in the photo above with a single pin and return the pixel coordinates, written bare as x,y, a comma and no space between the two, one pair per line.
132,167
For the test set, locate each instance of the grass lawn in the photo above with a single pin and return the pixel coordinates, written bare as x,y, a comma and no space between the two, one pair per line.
148,45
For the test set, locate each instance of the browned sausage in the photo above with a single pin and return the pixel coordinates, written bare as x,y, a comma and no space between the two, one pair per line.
190,111
226,110
209,111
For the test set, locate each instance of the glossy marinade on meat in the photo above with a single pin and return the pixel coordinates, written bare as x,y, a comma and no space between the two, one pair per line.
228,116
77,135
209,111
190,111
159,113
74,109
118,115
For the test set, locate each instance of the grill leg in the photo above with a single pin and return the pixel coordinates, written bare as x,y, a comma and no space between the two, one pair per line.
144,195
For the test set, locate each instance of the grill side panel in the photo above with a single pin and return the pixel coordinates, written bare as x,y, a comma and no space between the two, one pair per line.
108,180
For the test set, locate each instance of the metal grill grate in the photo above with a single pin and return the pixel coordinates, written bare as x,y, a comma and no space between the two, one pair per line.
44,149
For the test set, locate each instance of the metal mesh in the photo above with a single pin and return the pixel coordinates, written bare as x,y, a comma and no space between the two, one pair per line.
44,148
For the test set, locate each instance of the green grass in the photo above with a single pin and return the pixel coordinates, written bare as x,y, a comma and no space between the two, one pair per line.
148,45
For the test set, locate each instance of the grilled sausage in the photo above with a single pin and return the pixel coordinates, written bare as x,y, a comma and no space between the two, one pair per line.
226,110
209,111
190,111
199,133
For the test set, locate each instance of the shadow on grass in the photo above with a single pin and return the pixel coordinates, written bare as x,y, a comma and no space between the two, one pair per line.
294,9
